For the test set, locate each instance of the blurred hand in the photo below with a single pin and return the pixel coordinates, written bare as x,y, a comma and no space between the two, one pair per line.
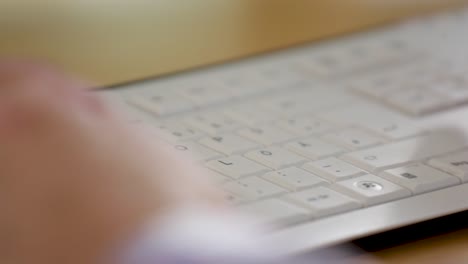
74,178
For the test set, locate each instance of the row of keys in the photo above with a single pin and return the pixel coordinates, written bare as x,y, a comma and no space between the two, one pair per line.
170,97
330,185
328,144
417,178
229,144
397,154
420,90
391,155
357,58
322,199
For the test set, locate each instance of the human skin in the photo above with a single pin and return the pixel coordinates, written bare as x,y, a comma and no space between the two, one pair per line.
75,179
77,182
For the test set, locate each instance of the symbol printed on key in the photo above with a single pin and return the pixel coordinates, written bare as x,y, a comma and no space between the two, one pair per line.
218,139
369,185
408,175
459,163
318,197
225,163
266,152
181,147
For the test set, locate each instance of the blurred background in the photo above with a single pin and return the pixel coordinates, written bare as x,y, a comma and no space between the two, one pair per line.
112,41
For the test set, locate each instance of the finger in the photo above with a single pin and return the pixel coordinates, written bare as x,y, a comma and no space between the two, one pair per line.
33,94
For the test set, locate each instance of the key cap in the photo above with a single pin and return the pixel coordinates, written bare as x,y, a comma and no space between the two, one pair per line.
197,151
323,201
371,190
304,126
287,105
253,188
249,114
276,212
274,157
236,166
228,143
326,64
233,199
266,134
420,178
378,87
244,83
212,123
353,138
203,92
398,154
394,130
294,179
281,74
364,114
160,103
313,149
333,169
418,101
455,164
179,132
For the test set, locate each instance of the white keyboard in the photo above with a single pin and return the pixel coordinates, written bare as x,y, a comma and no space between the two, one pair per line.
330,141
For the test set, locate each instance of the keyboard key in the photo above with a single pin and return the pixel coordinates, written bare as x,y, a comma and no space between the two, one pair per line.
294,179
276,212
420,178
249,114
212,123
287,105
253,188
313,149
280,75
418,101
357,57
244,83
353,138
378,87
274,157
160,103
398,154
373,118
394,130
197,151
456,164
370,189
304,126
323,201
233,199
333,169
266,134
179,132
236,167
203,92
228,143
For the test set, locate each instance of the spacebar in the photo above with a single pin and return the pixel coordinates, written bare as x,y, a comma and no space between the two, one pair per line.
407,151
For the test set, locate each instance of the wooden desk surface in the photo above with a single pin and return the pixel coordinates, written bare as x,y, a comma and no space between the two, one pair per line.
115,41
